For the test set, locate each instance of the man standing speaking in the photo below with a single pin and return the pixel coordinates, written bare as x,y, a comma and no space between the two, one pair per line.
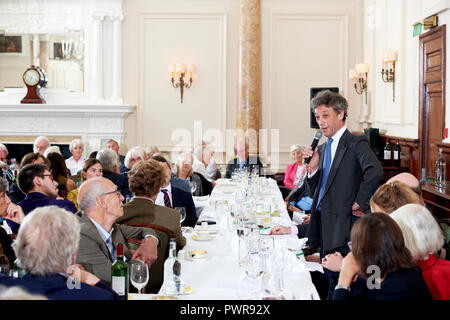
343,174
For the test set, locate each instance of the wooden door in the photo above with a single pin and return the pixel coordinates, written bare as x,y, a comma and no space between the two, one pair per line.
431,97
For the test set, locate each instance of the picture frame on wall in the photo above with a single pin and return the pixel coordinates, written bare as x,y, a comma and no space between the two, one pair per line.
11,45
57,51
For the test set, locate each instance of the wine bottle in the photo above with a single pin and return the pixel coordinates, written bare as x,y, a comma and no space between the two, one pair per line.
119,274
387,154
397,152
172,271
440,170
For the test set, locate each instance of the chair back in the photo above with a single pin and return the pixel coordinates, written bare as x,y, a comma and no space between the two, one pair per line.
156,271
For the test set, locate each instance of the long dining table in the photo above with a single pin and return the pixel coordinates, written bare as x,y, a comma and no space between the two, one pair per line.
218,276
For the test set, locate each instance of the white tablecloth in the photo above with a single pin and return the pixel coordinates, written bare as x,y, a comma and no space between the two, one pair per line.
219,276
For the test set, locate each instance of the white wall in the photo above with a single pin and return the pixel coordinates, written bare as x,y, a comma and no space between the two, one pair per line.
388,24
305,44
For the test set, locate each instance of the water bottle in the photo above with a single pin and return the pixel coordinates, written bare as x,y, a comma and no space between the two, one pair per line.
440,170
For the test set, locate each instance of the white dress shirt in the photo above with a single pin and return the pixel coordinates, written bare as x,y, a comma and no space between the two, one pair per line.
337,136
160,198
106,237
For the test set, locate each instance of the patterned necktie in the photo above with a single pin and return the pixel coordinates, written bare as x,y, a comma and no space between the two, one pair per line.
326,171
166,198
112,249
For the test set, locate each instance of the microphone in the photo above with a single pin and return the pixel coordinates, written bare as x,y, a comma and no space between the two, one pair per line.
314,144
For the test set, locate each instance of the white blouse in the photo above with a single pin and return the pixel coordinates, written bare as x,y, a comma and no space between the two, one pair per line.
75,166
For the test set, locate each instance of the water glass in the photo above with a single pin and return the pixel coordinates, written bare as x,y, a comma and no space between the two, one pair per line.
243,235
138,274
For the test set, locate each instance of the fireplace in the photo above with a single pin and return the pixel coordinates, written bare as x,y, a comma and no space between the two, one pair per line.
18,150
62,119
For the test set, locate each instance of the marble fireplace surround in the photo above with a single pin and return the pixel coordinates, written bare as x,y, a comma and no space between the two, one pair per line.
62,118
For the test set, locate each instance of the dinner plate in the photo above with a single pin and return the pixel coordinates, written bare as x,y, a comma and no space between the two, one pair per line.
225,188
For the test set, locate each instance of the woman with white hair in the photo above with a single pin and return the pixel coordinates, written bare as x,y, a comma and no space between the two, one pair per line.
46,249
76,161
183,170
133,156
423,238
295,170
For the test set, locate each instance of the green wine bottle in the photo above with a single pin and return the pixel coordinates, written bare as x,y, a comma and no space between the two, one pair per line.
119,274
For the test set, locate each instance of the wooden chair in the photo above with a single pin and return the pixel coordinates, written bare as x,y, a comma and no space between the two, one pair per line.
156,271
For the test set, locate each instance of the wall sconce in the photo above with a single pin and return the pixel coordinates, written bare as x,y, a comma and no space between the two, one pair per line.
359,77
388,59
181,77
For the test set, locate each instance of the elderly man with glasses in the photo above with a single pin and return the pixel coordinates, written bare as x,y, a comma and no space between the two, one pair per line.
101,205
41,190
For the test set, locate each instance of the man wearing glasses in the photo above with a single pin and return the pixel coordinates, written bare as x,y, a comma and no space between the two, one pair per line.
101,205
41,190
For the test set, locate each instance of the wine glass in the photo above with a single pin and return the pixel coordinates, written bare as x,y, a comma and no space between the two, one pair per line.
193,185
182,211
223,171
139,274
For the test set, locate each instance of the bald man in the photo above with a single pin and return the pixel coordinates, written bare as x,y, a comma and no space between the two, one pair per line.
101,205
41,144
411,181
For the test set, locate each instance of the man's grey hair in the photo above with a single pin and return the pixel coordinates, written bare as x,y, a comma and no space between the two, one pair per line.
134,152
330,99
2,146
4,186
112,140
43,138
52,149
47,239
108,158
89,197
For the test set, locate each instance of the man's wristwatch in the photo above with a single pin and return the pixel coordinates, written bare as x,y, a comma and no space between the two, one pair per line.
342,287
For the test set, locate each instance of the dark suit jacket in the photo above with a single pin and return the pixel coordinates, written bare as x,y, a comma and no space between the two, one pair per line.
121,158
35,200
140,210
402,284
121,181
251,162
93,254
182,197
15,194
354,176
55,287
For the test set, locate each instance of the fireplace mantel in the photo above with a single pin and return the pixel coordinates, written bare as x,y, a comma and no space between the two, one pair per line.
64,115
